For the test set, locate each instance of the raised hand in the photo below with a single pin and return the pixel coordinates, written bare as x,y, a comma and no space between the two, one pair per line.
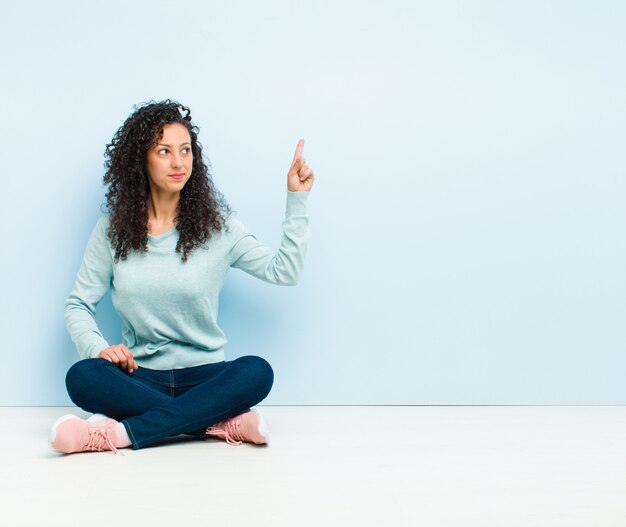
300,176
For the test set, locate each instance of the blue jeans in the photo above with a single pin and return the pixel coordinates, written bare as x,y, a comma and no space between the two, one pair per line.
156,404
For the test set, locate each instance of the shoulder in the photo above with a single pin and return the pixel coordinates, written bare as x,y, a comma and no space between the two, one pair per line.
103,224
98,245
233,227
100,231
104,220
233,232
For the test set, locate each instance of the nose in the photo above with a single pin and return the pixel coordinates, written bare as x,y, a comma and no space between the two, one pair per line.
177,160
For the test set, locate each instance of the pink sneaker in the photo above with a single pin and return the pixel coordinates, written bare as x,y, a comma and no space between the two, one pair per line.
72,434
249,427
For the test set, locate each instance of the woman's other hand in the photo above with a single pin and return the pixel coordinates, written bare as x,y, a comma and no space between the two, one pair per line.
300,176
121,356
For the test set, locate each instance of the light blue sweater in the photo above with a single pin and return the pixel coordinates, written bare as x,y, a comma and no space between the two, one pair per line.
169,308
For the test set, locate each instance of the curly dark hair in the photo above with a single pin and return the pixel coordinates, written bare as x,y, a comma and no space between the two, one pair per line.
202,209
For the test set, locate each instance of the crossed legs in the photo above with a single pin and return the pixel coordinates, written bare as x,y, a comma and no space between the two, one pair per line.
152,407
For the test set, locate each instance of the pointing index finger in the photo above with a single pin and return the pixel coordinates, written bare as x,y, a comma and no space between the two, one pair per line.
298,150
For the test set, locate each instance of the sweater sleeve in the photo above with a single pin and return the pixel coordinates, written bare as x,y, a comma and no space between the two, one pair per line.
92,283
284,266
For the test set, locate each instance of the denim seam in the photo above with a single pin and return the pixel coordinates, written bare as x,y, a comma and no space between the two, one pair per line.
138,383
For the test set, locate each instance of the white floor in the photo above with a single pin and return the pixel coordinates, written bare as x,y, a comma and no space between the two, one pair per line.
334,465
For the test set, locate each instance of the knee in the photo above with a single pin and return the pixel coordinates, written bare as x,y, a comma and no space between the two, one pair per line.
78,379
261,373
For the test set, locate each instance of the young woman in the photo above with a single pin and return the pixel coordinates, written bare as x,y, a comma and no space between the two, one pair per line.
164,249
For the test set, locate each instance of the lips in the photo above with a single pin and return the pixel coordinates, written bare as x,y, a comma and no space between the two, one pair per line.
177,176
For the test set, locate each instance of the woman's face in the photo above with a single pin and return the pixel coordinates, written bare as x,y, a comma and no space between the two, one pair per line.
170,161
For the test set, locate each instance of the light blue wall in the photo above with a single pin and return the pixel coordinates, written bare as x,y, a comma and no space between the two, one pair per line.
467,219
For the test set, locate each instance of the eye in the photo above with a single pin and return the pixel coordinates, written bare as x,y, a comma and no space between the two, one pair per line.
162,150
187,149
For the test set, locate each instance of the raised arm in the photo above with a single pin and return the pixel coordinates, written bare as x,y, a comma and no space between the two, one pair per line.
282,267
